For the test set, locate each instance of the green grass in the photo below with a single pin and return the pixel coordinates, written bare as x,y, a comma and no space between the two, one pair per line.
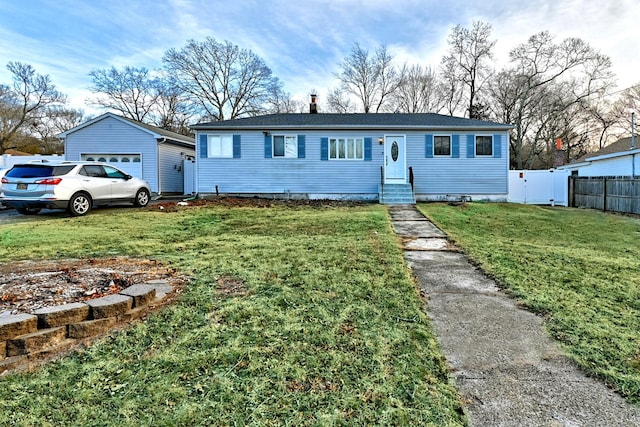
331,330
580,269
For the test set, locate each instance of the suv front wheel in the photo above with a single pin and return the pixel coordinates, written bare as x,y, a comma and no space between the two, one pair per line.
142,198
80,204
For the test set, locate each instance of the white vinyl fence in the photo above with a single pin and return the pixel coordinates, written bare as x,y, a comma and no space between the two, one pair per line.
539,187
7,160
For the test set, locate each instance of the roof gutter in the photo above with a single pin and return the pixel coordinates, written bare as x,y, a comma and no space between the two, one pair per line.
353,127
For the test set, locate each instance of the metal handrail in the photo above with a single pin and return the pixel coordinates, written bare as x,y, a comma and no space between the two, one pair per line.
411,177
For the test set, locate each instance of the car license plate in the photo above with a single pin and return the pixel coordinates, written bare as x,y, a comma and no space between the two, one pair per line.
21,186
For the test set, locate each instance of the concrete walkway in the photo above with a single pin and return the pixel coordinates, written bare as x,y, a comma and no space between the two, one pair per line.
508,370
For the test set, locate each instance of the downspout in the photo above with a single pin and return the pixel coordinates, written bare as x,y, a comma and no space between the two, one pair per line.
158,177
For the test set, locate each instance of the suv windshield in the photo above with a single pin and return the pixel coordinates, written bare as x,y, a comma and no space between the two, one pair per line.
38,171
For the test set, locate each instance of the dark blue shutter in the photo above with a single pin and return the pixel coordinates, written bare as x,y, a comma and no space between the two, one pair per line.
428,145
301,146
324,148
367,149
236,146
497,146
471,145
203,146
455,146
268,151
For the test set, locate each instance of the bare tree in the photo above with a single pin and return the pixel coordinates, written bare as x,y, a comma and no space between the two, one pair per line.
130,91
371,78
420,92
282,102
467,61
24,102
629,102
607,116
173,110
545,80
451,87
338,102
224,81
57,120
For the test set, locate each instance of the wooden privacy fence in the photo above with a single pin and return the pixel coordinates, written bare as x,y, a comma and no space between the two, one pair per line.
607,193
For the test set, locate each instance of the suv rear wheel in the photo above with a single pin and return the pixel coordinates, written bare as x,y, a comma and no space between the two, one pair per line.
80,204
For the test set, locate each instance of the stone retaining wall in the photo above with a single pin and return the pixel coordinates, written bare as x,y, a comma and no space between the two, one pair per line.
27,337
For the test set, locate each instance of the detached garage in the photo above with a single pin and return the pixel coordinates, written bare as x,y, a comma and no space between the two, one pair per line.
144,151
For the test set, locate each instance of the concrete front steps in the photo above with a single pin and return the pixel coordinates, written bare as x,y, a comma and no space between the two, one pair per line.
396,194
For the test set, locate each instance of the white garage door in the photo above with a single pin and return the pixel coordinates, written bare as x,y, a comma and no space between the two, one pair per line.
128,163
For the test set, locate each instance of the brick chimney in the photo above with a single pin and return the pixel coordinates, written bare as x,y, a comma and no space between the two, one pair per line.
313,107
558,159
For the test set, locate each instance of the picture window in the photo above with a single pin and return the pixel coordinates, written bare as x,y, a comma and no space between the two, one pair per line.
346,148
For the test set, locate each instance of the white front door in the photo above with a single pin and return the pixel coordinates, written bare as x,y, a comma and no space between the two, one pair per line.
395,170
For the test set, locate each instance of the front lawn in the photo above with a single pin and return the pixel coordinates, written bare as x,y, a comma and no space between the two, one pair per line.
580,269
296,315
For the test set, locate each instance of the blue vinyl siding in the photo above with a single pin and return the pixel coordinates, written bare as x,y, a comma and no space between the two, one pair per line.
463,175
315,173
171,176
114,136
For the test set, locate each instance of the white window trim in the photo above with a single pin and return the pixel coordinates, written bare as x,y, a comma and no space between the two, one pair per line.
450,145
357,139
285,136
475,145
222,138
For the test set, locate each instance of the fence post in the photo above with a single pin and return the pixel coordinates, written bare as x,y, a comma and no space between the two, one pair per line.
604,194
572,191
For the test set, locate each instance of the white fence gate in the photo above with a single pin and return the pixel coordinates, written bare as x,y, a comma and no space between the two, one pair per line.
189,170
539,187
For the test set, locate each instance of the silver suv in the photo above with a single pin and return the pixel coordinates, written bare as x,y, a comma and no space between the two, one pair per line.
74,186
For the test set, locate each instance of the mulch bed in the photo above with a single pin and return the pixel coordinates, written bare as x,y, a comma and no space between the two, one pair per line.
229,201
27,286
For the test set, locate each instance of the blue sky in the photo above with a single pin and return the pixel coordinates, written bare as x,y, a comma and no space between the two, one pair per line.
301,41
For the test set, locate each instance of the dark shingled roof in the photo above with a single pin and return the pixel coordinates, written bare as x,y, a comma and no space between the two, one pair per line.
356,121
621,145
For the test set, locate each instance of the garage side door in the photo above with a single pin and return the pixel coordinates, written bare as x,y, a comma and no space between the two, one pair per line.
127,163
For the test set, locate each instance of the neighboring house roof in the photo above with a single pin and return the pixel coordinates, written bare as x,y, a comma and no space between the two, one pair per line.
354,121
157,132
621,147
